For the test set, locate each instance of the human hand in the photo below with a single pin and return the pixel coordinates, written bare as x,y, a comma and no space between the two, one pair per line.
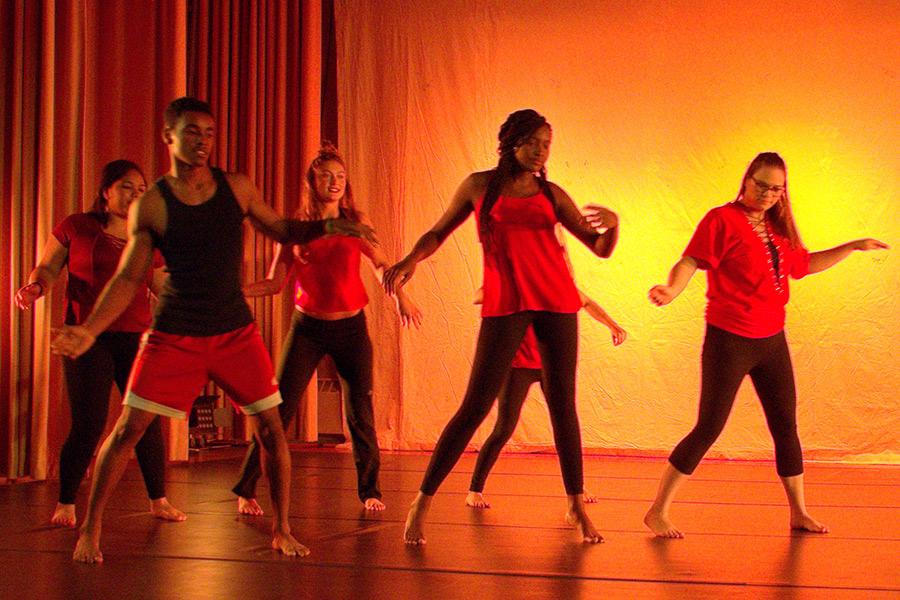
409,312
28,293
72,341
660,295
869,244
396,277
618,335
342,226
600,218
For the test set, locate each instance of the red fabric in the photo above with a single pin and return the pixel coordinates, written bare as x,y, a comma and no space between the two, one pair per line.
327,275
745,296
92,261
528,357
524,264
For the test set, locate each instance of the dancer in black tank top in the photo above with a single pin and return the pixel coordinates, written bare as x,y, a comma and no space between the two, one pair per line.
194,216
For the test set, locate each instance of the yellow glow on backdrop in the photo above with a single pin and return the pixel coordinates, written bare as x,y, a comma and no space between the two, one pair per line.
657,108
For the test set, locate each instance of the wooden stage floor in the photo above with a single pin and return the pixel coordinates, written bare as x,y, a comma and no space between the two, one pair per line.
738,544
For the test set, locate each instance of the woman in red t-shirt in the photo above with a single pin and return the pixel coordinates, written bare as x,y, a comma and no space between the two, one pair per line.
329,298
526,283
749,248
90,245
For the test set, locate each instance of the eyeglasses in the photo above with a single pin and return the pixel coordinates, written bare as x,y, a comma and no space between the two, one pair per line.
765,189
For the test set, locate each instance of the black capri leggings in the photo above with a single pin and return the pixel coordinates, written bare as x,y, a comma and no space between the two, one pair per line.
347,342
89,379
498,341
509,407
727,358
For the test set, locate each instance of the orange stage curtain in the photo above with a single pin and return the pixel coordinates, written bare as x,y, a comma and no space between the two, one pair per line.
657,107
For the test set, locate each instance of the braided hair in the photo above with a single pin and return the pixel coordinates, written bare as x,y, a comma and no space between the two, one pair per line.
780,216
515,131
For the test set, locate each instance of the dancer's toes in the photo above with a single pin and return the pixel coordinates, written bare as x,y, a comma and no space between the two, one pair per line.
87,549
580,520
374,504
476,500
589,498
413,532
287,545
804,522
64,515
660,525
161,509
249,506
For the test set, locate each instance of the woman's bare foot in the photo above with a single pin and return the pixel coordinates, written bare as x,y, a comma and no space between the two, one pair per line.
161,509
249,506
87,549
374,504
476,500
64,515
589,498
577,517
414,533
660,525
287,545
804,522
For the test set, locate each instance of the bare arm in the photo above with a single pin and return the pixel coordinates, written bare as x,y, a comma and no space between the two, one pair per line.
825,259
596,311
407,310
274,281
598,229
53,259
158,281
461,206
679,277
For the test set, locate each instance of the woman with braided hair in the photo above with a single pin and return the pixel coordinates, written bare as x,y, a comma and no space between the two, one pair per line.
526,283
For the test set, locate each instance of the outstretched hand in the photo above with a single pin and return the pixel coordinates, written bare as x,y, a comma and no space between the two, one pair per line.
396,277
410,314
72,341
660,295
869,244
342,226
600,218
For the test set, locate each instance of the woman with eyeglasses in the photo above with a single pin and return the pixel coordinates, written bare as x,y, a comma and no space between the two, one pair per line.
89,245
749,248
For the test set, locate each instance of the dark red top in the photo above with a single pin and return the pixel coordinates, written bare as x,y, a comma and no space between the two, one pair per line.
746,294
92,261
524,264
327,276
528,356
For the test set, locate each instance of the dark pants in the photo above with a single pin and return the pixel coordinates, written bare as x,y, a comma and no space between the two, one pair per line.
89,379
498,341
727,358
509,407
347,342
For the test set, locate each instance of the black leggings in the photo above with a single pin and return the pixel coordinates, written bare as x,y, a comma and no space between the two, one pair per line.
88,381
727,358
509,407
498,341
347,342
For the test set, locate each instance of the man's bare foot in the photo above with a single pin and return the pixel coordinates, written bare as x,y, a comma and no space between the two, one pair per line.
249,506
287,545
804,522
476,500
64,515
579,519
161,509
374,504
660,525
414,533
87,549
589,498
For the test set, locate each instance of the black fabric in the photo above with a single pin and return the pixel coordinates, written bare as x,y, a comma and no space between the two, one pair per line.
89,379
204,249
498,340
726,359
347,342
509,407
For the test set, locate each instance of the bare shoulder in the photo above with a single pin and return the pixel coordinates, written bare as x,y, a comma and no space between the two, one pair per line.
149,211
558,191
243,188
474,186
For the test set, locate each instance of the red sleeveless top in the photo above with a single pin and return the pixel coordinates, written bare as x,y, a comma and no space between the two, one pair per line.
327,276
524,264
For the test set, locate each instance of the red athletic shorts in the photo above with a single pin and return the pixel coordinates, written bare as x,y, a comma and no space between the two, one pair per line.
170,371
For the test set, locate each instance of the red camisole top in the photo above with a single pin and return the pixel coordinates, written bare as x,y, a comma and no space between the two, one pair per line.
524,263
327,278
746,294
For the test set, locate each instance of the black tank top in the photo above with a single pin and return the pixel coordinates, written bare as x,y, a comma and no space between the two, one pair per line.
203,247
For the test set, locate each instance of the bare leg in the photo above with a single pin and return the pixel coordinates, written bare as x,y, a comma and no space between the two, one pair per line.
374,504
413,533
476,500
249,506
800,519
162,509
64,515
578,517
657,518
111,463
277,465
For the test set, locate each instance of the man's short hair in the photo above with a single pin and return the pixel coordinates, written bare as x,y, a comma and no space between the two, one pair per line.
179,106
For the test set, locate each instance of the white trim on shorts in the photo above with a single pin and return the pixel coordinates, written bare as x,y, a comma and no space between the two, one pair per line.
261,405
135,401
